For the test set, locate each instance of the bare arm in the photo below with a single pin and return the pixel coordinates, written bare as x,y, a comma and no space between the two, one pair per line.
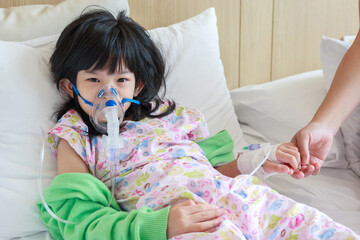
343,95
68,160
314,140
229,169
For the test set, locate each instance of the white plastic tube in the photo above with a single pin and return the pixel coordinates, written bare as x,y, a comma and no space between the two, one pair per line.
250,162
40,183
113,143
113,140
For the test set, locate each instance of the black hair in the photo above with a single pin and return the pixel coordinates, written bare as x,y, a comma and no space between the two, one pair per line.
97,40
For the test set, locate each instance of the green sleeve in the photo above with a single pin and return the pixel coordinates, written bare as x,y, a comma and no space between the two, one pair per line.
82,198
218,148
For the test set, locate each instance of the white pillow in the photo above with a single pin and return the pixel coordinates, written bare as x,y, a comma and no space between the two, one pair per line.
28,97
278,109
32,21
195,72
331,53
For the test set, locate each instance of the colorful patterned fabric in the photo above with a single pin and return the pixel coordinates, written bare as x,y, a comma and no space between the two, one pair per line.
161,164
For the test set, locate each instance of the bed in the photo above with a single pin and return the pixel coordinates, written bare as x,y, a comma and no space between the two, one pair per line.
265,82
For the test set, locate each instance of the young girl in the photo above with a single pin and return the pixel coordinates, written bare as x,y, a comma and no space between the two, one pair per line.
160,163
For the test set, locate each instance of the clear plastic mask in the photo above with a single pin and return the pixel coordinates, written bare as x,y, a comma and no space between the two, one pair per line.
107,99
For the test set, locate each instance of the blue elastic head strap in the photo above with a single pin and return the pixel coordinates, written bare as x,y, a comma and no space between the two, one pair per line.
129,100
108,103
77,93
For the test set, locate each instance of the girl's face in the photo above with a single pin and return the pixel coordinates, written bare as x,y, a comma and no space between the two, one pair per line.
90,82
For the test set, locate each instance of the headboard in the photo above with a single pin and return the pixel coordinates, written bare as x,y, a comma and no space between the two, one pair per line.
260,40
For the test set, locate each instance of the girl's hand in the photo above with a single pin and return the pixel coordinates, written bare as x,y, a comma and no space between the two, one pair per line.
187,217
289,157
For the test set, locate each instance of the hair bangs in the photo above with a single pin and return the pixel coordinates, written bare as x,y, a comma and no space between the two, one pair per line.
104,53
112,53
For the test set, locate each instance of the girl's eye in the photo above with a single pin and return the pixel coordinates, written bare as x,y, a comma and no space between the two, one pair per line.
93,80
121,80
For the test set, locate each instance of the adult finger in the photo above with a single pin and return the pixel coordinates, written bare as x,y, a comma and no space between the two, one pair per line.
298,175
316,165
303,145
271,167
316,171
308,170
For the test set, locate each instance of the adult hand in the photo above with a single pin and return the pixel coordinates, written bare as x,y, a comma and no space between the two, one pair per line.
187,216
314,143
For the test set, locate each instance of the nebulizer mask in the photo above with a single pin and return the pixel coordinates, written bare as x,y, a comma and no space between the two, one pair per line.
106,116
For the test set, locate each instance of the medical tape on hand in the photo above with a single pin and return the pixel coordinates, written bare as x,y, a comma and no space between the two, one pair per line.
272,156
250,162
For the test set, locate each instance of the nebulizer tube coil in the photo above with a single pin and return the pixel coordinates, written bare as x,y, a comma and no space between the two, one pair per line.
42,198
110,106
112,157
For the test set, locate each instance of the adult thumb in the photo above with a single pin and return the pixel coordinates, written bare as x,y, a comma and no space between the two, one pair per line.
303,146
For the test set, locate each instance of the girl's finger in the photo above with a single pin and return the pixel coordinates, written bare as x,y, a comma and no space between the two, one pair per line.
187,202
310,169
211,230
294,152
208,215
289,159
292,147
205,226
278,168
200,207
